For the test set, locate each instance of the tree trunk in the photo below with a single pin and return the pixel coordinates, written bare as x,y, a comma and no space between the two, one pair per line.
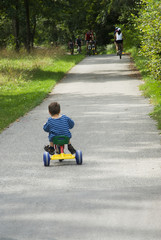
16,27
26,2
33,33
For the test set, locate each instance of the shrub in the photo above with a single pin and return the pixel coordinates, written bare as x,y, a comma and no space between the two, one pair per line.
149,24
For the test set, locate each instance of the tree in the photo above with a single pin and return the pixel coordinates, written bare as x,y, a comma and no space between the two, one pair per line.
26,3
10,11
50,20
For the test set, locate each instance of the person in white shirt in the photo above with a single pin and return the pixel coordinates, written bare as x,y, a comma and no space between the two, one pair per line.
118,38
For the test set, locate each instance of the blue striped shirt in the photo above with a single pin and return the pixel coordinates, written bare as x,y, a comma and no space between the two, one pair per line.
58,126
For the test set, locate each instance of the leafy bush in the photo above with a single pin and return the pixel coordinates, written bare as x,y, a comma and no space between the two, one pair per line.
149,24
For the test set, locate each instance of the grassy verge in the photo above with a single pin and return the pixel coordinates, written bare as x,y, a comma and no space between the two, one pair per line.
25,80
151,87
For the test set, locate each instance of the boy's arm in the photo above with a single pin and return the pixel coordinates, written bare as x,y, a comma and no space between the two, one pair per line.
46,127
70,122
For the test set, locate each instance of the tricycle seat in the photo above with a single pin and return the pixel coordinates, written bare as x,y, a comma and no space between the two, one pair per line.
60,140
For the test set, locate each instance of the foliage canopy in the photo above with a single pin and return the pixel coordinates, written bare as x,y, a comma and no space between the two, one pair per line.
29,22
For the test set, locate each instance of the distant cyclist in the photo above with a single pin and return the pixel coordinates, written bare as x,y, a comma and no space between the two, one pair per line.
94,39
118,38
79,43
88,37
71,46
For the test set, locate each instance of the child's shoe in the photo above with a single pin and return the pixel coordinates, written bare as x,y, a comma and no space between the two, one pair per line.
49,149
46,148
71,149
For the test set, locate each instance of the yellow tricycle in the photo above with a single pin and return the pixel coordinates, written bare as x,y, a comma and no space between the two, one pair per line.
60,142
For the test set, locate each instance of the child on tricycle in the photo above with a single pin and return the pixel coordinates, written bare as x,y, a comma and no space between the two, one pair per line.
58,127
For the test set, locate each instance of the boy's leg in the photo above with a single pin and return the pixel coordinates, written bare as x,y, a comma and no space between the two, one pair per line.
50,149
51,144
71,148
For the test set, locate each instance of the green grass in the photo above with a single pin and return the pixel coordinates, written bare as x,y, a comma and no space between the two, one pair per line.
151,88
25,80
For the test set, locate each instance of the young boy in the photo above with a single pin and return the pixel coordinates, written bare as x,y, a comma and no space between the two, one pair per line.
56,125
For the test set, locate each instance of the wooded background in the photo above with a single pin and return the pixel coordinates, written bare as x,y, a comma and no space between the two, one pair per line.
25,23
29,22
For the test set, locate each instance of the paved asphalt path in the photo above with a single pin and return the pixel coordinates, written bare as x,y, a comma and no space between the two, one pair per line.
116,193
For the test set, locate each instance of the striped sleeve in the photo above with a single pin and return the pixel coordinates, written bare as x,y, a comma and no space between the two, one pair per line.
46,127
70,122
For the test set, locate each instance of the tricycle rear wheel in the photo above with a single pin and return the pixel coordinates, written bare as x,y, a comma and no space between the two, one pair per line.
46,159
78,157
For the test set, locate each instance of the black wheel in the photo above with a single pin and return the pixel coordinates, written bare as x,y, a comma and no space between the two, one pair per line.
78,157
46,159
120,51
